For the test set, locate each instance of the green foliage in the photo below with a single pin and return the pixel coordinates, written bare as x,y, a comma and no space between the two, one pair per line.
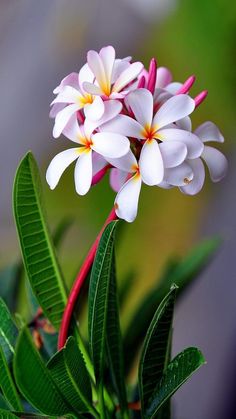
8,332
36,244
7,385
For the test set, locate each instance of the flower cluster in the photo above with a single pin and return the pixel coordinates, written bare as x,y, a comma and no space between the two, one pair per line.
134,123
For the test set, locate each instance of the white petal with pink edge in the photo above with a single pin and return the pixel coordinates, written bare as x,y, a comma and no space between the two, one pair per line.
124,125
110,144
98,162
68,95
175,108
163,77
198,178
83,173
209,132
59,164
127,163
62,119
108,55
96,65
184,123
141,103
192,142
216,163
173,153
95,110
71,79
119,67
57,107
127,76
85,75
151,163
73,131
126,202
179,176
173,87
117,179
91,88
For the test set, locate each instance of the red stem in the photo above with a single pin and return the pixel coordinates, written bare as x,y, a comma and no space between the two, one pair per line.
79,281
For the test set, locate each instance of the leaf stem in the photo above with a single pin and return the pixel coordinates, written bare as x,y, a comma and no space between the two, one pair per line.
79,281
102,409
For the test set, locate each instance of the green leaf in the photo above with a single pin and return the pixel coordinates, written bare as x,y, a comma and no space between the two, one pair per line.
4,414
114,342
155,353
182,274
68,370
7,385
36,244
98,299
177,372
8,332
34,379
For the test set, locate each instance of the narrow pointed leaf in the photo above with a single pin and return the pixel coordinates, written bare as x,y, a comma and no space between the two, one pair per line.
98,299
7,385
4,414
181,273
36,244
35,380
155,353
8,332
68,369
177,372
114,342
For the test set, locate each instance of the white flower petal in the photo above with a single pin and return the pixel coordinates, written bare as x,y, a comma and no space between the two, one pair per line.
124,125
68,95
57,107
184,123
163,77
95,110
107,55
127,163
127,76
194,145
141,103
179,176
96,65
173,153
165,185
92,88
198,178
216,163
173,87
59,164
126,202
151,163
117,179
72,130
70,80
62,119
83,173
110,144
119,67
98,162
175,108
209,132
85,75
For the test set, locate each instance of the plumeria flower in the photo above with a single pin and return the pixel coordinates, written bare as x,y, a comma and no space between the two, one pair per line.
161,145
111,76
106,144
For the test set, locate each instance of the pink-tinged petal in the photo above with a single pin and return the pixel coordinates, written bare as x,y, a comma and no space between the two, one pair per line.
62,119
173,87
160,96
119,67
180,175
117,179
216,163
175,108
165,185
108,55
59,164
83,173
126,202
127,163
57,107
163,77
185,124
111,109
127,76
197,182
73,130
70,80
124,125
98,163
209,132
173,153
96,65
68,95
192,142
141,103
91,88
110,144
151,163
95,110
85,75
